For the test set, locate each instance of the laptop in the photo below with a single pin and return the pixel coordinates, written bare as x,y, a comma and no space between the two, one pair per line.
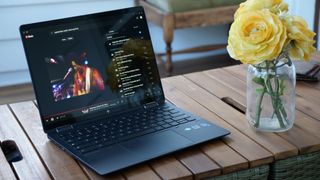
99,92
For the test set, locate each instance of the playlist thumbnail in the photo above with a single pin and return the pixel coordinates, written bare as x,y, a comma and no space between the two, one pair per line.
73,75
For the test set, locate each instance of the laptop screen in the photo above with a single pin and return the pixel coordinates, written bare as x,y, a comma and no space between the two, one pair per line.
94,64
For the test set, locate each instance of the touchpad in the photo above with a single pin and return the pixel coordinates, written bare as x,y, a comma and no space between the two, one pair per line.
157,144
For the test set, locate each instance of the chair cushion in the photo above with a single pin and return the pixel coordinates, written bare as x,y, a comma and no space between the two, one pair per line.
218,3
173,6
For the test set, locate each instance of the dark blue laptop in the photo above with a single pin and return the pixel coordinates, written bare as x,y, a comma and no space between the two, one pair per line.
99,92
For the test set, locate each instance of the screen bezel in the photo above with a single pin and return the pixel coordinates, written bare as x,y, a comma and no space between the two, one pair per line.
25,27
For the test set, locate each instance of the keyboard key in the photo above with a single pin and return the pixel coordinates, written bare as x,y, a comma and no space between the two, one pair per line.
190,119
159,115
174,111
158,128
168,108
180,117
69,141
150,130
153,125
182,121
174,123
166,125
177,114
161,122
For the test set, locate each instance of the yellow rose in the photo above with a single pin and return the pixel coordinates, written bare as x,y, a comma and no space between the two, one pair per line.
275,6
256,36
300,38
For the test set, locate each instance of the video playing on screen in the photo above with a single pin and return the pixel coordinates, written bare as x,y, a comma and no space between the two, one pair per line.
73,75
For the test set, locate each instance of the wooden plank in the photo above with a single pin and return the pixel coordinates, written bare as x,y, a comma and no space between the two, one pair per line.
31,166
225,157
92,175
135,172
275,144
239,71
140,172
169,168
232,83
308,107
308,92
217,87
308,124
196,18
61,165
256,154
302,139
198,163
306,142
5,170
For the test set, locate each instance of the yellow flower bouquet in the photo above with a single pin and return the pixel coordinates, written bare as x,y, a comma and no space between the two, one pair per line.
265,36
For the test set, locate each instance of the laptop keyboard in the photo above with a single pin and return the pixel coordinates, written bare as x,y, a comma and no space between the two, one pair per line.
100,134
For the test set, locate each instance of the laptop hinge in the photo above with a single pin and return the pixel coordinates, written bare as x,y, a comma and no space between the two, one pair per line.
150,105
64,128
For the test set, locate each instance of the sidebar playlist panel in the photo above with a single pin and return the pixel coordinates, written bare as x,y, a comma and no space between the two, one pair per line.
132,57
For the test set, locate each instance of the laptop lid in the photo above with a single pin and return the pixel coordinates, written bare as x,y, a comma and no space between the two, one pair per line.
91,65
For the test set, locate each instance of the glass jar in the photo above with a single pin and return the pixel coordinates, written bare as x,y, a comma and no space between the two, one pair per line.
271,95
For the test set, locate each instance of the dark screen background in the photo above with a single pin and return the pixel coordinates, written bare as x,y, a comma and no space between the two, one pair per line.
88,43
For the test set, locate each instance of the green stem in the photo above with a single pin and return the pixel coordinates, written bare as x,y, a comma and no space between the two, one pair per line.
275,95
279,102
277,105
259,109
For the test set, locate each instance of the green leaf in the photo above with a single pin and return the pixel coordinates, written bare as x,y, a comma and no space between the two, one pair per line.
258,80
260,90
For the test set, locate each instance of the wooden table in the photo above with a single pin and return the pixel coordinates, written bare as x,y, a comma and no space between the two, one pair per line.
200,93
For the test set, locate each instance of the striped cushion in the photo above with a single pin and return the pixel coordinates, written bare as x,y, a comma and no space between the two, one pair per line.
189,5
